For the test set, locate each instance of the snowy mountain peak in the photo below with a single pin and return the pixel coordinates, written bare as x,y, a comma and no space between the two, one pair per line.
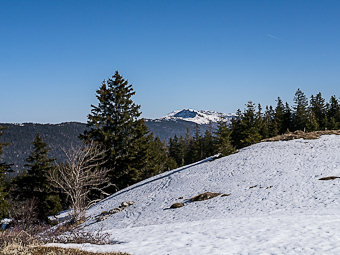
199,117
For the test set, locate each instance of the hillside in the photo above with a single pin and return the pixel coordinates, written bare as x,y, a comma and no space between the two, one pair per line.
271,201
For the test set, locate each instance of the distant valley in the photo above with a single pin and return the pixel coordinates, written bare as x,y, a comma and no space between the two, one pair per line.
62,136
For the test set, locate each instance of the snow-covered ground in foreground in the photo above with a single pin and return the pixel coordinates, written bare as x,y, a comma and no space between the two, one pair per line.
302,234
277,205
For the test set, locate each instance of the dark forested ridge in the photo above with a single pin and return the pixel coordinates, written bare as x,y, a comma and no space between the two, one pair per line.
21,136
63,135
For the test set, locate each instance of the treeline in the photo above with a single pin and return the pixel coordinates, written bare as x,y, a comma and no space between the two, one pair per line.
129,153
254,124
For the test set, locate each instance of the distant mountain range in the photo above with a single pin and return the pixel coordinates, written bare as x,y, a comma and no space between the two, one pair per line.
62,136
199,117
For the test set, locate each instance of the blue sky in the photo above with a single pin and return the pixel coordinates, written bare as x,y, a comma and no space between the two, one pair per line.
210,55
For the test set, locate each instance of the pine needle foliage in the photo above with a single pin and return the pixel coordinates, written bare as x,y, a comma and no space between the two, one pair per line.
115,125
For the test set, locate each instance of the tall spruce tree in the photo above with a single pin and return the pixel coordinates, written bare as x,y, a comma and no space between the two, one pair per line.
300,116
236,130
279,116
34,183
250,125
333,113
287,119
223,139
115,125
318,109
208,146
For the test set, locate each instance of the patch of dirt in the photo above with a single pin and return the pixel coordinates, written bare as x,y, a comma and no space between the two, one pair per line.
176,205
106,214
225,195
329,178
200,197
300,134
204,196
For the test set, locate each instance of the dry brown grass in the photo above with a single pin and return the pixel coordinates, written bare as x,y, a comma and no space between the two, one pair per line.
30,241
300,134
19,249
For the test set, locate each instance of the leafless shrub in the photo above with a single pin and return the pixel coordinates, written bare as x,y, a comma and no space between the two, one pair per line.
76,236
18,235
17,241
82,174
25,213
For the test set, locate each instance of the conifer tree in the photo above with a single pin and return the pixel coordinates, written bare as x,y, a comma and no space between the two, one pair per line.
115,125
223,139
158,160
208,146
318,108
269,126
250,126
300,117
236,130
312,122
197,148
287,119
279,117
177,150
333,113
35,184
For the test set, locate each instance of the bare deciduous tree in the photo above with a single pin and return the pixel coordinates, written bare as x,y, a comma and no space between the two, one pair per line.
81,174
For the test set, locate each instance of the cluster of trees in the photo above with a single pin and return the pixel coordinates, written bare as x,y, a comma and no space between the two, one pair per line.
254,124
118,149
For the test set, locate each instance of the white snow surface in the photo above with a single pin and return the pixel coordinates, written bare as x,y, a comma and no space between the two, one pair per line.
199,117
288,210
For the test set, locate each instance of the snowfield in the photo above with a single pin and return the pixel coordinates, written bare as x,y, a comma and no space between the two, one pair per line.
277,205
199,117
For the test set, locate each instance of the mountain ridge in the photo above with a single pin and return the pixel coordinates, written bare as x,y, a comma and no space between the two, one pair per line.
62,135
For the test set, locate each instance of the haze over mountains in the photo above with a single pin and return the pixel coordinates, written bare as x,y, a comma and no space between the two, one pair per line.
62,136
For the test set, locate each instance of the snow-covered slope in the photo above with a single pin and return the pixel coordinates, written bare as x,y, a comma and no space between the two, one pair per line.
277,204
199,117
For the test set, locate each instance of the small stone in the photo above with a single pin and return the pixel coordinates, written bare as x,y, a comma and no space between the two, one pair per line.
115,210
124,204
176,205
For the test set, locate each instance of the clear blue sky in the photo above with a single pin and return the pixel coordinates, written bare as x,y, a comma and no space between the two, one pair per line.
210,55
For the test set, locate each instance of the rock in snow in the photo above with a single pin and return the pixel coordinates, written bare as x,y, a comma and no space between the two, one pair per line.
287,210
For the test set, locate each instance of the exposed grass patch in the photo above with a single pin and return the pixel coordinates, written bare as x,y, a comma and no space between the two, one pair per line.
31,241
300,134
18,249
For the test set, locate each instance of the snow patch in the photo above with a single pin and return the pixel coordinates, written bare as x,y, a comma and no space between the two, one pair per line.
199,117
